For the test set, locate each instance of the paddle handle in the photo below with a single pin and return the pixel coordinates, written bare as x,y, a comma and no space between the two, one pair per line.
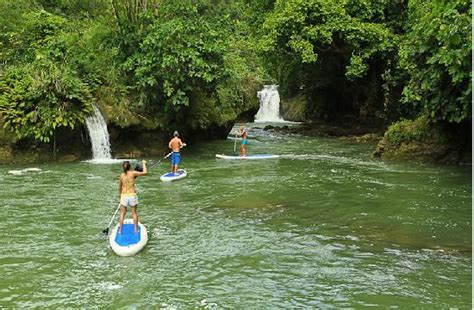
235,143
159,161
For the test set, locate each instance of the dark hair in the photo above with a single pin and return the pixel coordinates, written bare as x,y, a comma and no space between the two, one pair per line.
126,166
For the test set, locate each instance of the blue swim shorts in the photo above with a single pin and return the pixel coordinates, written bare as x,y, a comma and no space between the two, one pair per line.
175,158
245,142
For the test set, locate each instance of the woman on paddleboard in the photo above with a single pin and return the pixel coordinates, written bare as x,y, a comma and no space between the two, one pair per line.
128,196
243,134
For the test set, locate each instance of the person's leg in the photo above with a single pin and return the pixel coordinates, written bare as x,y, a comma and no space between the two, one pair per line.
173,163
123,211
242,149
177,160
135,218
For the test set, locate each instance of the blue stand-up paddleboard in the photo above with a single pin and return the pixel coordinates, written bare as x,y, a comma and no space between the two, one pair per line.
256,156
128,243
170,176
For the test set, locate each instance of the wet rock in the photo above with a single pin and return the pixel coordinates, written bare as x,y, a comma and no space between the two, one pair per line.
68,158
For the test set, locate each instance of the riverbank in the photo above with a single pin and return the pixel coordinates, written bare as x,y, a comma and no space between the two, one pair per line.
352,131
75,145
138,142
432,145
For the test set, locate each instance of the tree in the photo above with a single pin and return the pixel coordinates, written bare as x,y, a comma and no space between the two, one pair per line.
436,57
36,99
337,51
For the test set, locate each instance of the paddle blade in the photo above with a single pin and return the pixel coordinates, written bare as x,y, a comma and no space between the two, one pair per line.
105,231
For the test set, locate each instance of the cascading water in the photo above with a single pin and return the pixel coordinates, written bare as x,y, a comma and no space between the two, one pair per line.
99,136
269,105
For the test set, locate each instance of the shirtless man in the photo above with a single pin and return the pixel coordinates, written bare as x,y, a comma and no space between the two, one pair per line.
128,196
175,145
243,134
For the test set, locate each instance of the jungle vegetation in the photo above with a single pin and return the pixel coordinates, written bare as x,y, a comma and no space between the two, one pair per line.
199,63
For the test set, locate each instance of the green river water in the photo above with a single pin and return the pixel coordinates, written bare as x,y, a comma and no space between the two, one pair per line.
324,226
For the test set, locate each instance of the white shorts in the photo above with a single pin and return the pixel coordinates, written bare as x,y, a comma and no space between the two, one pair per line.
129,200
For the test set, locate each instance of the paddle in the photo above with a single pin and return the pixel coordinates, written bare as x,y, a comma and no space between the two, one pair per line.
159,161
106,231
235,143
138,166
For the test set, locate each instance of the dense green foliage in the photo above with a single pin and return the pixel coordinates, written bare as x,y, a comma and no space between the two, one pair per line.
37,99
39,89
198,64
334,50
417,130
183,62
436,54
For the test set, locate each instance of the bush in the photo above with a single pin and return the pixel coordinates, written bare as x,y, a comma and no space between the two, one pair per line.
418,130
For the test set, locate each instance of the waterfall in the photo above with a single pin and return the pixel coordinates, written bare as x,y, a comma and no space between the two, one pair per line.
269,105
99,136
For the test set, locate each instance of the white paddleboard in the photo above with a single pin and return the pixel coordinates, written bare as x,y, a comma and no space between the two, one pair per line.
170,176
256,156
128,243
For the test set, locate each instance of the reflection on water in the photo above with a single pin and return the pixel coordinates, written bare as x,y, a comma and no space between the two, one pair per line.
323,226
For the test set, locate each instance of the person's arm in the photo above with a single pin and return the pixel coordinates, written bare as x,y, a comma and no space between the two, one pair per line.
169,145
120,186
181,144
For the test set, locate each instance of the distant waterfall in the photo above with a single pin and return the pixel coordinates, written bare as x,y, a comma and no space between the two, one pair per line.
269,105
99,135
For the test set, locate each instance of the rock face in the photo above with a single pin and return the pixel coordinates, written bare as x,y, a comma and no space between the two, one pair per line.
293,109
415,151
418,140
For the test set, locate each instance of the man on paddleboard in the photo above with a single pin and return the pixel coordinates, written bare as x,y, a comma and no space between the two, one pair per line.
175,145
243,134
128,196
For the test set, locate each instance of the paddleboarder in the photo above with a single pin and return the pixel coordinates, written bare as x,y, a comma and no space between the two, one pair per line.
243,134
128,196
175,145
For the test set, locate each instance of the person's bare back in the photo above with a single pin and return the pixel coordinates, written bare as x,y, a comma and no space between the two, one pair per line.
127,182
176,144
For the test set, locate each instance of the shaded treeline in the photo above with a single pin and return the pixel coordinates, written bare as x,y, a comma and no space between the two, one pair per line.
200,63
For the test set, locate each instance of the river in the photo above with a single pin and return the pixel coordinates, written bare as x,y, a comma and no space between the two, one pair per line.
323,226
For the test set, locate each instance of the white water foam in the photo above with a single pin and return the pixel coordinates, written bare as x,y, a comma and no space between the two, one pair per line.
104,161
23,171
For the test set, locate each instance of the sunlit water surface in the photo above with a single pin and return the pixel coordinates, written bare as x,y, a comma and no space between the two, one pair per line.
323,226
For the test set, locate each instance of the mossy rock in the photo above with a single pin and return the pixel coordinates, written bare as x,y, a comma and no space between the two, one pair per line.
293,109
6,136
68,158
416,140
6,154
118,111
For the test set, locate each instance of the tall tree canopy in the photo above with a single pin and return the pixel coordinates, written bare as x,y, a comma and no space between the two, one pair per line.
436,56
200,63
